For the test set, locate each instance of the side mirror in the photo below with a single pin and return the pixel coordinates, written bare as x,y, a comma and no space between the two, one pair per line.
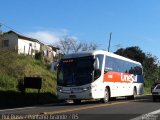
96,65
106,69
97,73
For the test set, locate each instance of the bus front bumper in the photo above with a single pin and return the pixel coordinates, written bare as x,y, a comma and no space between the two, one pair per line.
71,96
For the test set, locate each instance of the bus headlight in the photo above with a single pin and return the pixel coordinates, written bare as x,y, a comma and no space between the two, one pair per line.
59,89
87,88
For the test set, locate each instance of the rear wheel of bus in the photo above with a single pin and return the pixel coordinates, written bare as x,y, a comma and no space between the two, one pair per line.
133,96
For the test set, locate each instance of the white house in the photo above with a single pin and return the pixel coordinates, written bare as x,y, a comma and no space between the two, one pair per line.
23,45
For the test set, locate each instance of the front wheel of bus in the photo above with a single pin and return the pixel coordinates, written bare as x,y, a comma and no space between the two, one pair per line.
77,101
106,96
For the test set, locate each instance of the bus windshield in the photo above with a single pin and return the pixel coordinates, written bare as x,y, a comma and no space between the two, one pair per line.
75,71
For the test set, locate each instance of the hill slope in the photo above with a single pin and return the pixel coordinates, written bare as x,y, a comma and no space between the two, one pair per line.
13,68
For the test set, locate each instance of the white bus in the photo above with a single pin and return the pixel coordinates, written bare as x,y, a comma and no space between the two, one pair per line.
98,75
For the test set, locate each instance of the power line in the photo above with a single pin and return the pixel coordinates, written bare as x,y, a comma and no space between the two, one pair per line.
2,24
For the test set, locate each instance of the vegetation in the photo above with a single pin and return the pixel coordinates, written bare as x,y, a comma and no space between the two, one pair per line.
13,70
149,62
72,45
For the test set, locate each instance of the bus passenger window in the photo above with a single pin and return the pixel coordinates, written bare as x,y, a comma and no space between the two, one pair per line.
98,66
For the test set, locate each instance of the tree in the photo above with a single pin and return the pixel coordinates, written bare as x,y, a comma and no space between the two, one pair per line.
134,53
148,61
150,68
71,45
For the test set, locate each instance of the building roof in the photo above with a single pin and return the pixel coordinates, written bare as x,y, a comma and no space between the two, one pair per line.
24,37
53,47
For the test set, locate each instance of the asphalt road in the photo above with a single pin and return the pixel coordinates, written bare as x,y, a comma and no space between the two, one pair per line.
120,109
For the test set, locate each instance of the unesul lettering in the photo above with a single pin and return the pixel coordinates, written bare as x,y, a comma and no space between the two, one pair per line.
127,77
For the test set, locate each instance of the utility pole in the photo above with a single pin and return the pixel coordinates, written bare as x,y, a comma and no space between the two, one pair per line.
0,32
110,37
0,29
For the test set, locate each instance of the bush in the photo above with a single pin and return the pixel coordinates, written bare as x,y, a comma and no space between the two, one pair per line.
7,82
20,86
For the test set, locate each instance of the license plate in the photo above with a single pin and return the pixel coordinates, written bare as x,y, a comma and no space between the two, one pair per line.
72,96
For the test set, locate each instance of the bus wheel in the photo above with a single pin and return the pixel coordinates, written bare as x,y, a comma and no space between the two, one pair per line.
77,101
133,96
106,96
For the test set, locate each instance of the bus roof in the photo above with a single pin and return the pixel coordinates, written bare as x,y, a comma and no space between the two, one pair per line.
95,52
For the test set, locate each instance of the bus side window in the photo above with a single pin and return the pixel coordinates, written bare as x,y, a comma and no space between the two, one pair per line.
108,64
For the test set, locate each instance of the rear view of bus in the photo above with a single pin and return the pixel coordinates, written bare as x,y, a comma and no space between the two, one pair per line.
83,76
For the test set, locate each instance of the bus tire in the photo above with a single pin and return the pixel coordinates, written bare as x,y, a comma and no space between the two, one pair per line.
106,96
132,97
77,101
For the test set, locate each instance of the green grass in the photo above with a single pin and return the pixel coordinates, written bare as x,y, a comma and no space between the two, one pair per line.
13,70
7,82
147,90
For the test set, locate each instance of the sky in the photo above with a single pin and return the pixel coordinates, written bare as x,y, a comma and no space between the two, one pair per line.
132,22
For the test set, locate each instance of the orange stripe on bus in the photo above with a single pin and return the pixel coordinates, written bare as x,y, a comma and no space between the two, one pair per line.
119,77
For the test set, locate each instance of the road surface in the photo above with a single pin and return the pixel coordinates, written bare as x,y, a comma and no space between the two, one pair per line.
120,109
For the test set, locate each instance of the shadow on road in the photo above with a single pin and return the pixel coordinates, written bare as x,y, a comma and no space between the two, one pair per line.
12,99
144,99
